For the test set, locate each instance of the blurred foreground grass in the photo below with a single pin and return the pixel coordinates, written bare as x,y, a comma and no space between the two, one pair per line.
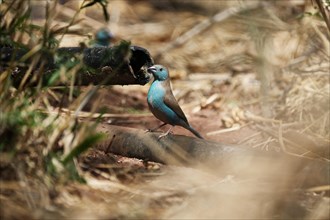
33,143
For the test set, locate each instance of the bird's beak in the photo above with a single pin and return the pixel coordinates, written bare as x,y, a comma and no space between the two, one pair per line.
152,70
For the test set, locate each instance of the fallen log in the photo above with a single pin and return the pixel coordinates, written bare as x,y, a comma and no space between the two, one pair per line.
228,159
118,65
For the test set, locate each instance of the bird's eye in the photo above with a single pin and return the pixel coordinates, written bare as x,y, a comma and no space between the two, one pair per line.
161,69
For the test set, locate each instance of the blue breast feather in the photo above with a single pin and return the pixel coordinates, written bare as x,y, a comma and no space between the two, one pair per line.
158,107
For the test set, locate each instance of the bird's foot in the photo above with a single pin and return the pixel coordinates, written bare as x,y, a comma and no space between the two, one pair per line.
148,130
165,134
162,135
154,129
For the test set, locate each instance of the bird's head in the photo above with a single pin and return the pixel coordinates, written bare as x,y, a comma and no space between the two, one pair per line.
159,72
103,37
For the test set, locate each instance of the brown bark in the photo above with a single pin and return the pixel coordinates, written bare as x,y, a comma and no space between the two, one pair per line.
194,152
118,65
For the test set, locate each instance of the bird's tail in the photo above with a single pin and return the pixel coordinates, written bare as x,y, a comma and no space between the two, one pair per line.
194,132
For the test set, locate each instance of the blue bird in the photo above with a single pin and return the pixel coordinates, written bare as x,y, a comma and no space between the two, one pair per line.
162,102
103,38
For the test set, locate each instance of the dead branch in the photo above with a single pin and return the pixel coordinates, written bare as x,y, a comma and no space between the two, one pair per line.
118,65
87,20
175,149
190,151
202,26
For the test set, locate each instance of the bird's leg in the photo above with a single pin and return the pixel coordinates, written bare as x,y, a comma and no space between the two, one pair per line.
155,129
165,134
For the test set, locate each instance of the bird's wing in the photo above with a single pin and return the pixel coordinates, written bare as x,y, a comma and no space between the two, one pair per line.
172,103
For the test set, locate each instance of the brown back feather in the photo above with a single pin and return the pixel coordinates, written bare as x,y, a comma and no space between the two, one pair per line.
171,102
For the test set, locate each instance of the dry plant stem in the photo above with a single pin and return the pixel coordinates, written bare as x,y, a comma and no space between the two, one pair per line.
82,114
68,12
91,181
262,144
263,45
292,143
266,145
72,21
256,118
325,13
27,195
88,96
221,131
202,26
319,188
110,144
280,138
249,137
316,121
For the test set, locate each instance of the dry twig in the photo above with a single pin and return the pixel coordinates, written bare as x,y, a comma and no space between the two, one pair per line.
202,26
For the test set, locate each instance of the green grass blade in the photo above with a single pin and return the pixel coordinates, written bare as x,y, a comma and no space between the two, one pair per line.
83,146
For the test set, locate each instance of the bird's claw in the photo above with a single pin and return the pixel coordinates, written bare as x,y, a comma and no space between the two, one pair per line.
147,131
164,135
